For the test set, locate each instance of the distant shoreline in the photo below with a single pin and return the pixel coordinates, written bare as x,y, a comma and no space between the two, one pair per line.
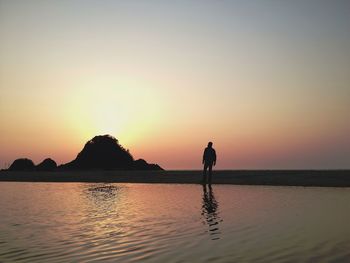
319,178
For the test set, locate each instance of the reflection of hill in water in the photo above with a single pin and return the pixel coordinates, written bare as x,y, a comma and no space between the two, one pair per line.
104,197
210,212
103,193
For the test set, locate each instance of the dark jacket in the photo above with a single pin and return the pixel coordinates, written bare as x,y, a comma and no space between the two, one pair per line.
209,156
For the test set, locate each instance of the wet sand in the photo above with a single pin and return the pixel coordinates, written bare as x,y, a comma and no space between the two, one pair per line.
326,178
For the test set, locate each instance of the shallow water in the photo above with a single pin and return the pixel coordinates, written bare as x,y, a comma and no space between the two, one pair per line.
60,222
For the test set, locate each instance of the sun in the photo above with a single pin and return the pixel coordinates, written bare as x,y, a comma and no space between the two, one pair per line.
123,108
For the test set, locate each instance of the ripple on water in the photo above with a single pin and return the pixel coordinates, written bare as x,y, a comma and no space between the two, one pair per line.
172,223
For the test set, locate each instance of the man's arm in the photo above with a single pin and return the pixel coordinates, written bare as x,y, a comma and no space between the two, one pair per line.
214,158
203,157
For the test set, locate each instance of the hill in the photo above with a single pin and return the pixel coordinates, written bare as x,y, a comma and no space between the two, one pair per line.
104,152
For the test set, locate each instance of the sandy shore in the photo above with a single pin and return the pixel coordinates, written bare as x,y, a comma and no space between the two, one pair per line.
331,178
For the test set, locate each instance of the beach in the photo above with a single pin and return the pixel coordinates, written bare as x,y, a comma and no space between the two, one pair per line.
321,178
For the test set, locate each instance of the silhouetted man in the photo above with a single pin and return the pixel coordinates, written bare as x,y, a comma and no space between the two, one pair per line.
209,159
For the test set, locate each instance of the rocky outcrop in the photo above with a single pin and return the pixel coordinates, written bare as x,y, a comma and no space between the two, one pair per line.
22,164
104,152
47,165
141,164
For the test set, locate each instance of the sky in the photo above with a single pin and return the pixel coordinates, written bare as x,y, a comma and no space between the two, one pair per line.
267,81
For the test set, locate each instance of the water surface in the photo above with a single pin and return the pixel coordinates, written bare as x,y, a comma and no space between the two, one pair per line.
60,222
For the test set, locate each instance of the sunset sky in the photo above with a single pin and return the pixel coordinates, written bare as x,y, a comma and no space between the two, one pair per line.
267,81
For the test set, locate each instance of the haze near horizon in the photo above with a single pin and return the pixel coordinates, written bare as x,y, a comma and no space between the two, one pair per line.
266,81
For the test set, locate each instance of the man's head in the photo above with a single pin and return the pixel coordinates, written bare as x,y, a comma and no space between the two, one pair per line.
210,144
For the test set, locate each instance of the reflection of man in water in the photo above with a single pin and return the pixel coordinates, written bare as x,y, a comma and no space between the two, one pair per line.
209,211
209,159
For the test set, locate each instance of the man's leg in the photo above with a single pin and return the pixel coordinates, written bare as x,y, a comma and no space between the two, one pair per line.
210,172
205,173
